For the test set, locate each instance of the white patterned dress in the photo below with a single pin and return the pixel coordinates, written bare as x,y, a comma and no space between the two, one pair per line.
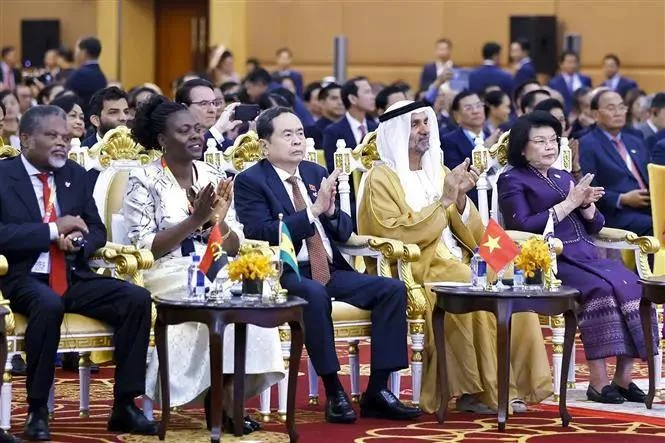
155,202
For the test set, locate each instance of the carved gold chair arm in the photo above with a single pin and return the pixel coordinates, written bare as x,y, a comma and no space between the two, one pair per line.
613,238
416,302
9,318
370,246
123,263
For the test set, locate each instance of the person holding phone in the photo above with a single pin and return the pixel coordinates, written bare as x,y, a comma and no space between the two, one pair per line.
199,96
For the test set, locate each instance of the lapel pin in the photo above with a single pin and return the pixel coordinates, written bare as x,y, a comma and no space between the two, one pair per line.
67,184
632,151
557,176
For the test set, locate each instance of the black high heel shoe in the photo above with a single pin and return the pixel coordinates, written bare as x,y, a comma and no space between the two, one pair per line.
249,425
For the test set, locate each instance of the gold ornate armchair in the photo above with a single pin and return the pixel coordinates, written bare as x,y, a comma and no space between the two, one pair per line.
78,333
608,238
352,324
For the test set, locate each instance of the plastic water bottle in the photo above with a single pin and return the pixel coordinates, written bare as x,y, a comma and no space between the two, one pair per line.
196,279
478,271
518,279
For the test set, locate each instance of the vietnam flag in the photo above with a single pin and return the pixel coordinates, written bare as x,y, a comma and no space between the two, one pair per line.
214,258
496,247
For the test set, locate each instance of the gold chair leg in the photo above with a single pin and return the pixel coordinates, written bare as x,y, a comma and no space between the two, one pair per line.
354,371
84,380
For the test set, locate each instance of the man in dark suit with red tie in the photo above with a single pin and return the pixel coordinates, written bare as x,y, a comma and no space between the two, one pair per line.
49,228
619,162
303,192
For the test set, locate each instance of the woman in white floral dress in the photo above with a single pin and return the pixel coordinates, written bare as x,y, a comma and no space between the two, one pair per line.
168,209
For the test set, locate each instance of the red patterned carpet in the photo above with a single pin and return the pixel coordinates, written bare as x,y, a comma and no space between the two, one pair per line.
539,425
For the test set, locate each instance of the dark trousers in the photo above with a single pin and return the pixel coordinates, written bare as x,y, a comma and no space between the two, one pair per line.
123,306
385,297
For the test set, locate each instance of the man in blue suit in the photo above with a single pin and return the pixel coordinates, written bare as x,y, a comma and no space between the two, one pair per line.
658,150
432,70
332,109
519,55
259,81
613,80
469,113
489,73
49,228
88,78
284,58
569,79
303,192
359,101
653,129
619,162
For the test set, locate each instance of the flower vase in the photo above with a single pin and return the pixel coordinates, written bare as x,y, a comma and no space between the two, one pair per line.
252,287
536,281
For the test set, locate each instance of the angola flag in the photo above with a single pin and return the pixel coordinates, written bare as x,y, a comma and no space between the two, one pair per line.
214,258
496,247
287,253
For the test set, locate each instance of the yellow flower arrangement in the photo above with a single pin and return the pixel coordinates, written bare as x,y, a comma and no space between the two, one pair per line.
251,266
534,255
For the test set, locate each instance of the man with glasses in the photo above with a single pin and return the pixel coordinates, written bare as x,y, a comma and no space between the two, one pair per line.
623,159
469,114
199,96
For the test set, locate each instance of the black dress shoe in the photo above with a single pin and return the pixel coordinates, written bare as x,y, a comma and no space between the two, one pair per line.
338,409
248,426
608,394
6,437
127,418
18,366
632,394
36,426
384,404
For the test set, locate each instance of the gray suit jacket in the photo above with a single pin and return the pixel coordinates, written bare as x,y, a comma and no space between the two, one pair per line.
646,130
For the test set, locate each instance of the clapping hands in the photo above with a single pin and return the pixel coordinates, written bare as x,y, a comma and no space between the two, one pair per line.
583,194
458,182
325,199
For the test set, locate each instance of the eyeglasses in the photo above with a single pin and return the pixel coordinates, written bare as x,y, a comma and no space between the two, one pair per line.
206,103
542,142
614,108
474,106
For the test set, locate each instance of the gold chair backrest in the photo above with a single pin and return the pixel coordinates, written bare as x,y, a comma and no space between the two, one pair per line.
8,151
119,145
246,149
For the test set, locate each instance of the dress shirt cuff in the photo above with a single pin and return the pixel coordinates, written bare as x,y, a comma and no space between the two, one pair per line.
467,211
310,216
218,136
53,231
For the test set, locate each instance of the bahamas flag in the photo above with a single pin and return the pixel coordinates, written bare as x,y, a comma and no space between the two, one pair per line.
287,253
214,258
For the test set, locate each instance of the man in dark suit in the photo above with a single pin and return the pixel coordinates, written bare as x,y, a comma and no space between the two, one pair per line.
654,126
311,99
658,150
432,70
108,109
387,97
284,59
259,81
332,109
49,227
490,74
88,78
622,159
569,79
304,193
469,113
10,76
199,96
359,101
519,55
613,80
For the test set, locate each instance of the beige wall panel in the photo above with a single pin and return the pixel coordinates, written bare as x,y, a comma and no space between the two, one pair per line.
471,23
313,25
77,18
633,29
138,40
390,32
267,24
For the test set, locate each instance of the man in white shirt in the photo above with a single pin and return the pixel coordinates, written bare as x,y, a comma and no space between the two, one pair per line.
301,191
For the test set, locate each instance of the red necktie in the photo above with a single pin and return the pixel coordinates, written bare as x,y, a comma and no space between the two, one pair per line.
318,257
621,149
58,276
